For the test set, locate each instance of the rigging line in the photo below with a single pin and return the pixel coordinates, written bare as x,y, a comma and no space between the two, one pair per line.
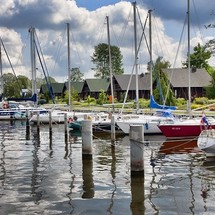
155,28
123,30
143,28
47,81
59,48
75,44
41,53
10,64
198,22
179,45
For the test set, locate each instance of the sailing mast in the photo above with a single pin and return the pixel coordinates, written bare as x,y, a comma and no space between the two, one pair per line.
69,70
150,52
110,63
188,53
135,53
33,62
1,74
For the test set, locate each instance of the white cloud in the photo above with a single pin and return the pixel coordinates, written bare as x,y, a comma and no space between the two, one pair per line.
88,29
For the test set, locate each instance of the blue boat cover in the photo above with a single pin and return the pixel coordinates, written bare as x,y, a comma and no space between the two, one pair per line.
154,104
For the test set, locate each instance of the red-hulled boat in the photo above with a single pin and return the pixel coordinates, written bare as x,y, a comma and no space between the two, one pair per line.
183,128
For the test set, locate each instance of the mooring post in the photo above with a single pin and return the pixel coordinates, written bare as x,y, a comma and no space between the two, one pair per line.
50,120
27,126
38,121
136,136
66,127
87,138
113,131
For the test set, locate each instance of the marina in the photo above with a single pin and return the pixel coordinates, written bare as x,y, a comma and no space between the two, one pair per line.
43,172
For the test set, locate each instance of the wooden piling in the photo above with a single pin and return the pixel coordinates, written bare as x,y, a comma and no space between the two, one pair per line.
113,132
66,127
38,122
50,121
87,138
136,136
27,126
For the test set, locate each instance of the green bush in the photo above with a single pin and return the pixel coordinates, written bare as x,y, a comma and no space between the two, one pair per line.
144,103
201,100
181,102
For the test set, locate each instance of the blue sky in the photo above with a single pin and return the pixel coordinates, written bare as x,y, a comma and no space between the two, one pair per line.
87,20
94,4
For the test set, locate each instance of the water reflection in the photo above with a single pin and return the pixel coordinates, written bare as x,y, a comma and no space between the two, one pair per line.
36,191
40,175
137,195
88,185
179,146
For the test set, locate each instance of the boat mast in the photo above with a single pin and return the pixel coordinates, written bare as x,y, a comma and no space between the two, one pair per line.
110,64
150,52
33,62
135,60
1,74
69,70
188,57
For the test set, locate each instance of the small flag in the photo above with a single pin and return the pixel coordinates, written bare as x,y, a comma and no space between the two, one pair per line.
204,120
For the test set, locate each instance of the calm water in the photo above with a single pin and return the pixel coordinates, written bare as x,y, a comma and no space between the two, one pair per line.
43,175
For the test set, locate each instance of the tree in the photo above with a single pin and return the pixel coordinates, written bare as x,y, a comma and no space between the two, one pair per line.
102,97
76,75
210,90
13,85
162,83
198,59
101,59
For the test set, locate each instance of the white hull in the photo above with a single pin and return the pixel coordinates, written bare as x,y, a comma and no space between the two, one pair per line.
19,113
150,123
56,116
206,142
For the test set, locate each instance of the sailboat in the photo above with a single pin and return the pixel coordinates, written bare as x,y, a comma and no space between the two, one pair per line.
16,108
163,113
188,127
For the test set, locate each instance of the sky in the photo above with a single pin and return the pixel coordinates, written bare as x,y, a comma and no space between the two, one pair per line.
88,28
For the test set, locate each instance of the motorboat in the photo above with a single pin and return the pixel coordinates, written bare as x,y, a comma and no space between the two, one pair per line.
206,142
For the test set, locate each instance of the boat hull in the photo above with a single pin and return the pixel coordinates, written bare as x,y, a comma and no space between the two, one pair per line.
182,131
149,128
206,142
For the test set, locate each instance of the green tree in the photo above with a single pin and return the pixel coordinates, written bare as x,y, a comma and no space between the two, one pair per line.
101,59
102,98
76,75
199,58
12,87
162,83
210,90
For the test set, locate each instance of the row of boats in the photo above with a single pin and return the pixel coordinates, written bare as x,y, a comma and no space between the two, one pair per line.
160,122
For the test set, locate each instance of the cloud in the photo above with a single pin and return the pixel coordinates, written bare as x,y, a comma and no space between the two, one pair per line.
88,29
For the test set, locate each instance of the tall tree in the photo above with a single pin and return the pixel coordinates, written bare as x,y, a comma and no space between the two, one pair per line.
101,59
162,83
12,87
210,90
199,58
76,75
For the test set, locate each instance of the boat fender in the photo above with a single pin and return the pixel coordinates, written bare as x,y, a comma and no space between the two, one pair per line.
147,126
5,106
89,117
70,120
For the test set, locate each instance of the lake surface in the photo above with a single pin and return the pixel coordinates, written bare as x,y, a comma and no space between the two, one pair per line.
41,173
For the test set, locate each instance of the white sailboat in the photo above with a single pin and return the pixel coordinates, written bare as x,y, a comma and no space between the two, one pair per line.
150,122
17,108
